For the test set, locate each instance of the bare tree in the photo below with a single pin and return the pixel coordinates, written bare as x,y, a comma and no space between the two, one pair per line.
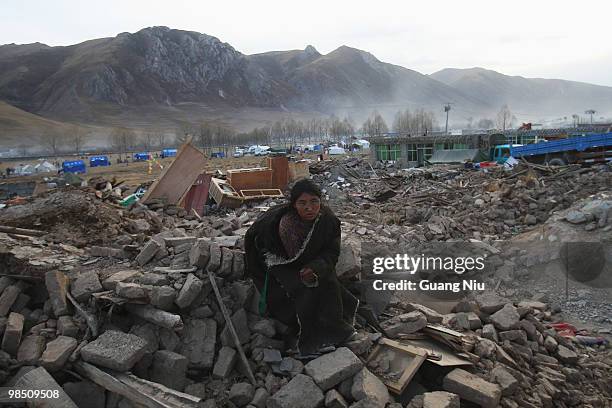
53,140
485,124
160,136
375,125
76,137
504,118
591,112
122,140
147,140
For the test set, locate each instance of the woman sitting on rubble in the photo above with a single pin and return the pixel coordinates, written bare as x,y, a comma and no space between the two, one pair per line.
291,254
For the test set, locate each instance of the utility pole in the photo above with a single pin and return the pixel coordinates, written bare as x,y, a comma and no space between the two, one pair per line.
590,112
447,108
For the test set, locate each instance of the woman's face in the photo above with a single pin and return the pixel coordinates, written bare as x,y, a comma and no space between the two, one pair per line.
308,206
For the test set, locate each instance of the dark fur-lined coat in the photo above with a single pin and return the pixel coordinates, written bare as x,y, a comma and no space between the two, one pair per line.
323,315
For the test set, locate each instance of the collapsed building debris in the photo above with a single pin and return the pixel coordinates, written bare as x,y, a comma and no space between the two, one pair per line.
148,305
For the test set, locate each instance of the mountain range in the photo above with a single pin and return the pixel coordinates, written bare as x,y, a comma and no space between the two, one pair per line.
158,77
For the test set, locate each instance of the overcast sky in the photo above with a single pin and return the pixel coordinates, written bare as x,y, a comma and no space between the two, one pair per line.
536,38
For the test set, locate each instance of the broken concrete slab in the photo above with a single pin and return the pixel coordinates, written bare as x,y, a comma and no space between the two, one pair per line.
163,297
12,333
57,352
225,362
431,315
148,252
57,287
115,350
404,324
189,292
241,394
440,399
472,388
169,369
507,318
506,381
490,303
198,340
331,369
84,285
565,355
214,261
227,260
367,385
300,392
30,349
129,290
200,253
333,399
8,297
128,275
86,394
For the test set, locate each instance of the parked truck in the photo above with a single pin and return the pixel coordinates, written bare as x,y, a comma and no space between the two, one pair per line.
581,149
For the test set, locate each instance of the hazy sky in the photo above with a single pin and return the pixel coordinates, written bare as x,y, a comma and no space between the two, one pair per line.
536,38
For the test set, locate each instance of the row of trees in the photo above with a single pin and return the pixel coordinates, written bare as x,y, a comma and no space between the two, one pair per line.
284,132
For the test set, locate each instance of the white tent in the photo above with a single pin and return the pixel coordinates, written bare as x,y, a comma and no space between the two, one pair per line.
26,170
336,150
45,167
363,143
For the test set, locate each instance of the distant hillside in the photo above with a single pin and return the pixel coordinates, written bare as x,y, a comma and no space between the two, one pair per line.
159,77
543,97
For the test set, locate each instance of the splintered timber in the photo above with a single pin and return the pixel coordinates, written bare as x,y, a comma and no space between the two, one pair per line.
426,285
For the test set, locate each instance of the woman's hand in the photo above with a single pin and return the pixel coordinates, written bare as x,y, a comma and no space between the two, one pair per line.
307,275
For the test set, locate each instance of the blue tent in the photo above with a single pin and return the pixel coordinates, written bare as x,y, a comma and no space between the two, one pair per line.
168,153
217,154
76,166
96,161
317,147
141,156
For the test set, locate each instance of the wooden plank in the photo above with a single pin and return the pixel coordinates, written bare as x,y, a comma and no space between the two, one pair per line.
243,179
197,195
404,358
280,171
135,389
21,231
40,379
178,177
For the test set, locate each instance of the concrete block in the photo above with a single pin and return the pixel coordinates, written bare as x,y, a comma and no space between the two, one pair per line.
331,369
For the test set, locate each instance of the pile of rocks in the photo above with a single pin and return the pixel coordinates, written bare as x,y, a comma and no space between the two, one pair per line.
436,204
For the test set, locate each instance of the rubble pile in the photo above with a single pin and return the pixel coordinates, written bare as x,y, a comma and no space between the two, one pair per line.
67,216
126,307
435,204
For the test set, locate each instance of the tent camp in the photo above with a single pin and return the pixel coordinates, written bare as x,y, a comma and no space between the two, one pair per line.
457,156
45,167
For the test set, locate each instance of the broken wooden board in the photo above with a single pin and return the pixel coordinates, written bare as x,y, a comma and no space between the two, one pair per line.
395,363
261,194
224,194
39,379
176,179
143,392
448,358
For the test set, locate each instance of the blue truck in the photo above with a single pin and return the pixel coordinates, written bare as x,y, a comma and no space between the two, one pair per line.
96,161
168,153
74,166
586,149
141,156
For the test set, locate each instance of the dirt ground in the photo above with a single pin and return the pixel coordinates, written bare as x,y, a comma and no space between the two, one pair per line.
135,173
